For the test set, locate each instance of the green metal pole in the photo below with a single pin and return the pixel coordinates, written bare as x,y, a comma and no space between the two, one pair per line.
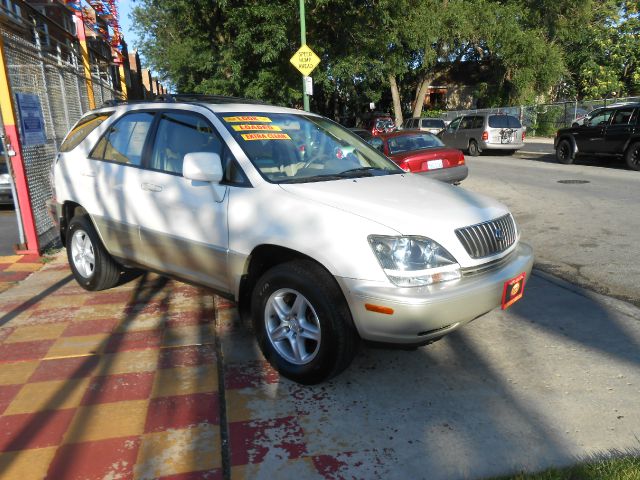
303,41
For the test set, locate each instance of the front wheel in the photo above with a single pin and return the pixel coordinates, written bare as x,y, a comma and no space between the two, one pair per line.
91,264
633,156
302,322
564,152
474,149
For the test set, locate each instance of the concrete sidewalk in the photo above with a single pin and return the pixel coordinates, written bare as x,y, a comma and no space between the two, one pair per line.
157,379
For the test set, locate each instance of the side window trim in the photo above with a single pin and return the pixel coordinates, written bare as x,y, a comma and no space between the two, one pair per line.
108,131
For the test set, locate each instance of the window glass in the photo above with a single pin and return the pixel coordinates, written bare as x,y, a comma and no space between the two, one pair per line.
622,116
179,134
600,117
454,124
466,123
504,121
478,122
82,129
297,148
232,172
432,123
377,143
4,169
124,141
414,141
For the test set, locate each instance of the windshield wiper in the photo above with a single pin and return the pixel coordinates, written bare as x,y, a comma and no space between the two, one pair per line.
316,178
362,171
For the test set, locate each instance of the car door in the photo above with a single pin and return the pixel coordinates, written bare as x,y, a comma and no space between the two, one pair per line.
448,135
619,129
590,136
116,166
183,223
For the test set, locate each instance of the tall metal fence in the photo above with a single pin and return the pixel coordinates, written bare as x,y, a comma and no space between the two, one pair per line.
57,79
545,119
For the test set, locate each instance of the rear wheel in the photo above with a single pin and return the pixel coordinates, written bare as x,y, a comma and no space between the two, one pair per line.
474,149
633,156
564,152
302,322
92,266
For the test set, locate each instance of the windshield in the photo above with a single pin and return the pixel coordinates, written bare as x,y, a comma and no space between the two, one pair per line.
504,121
291,148
413,141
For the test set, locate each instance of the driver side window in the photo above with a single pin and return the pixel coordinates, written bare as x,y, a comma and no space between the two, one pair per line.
453,126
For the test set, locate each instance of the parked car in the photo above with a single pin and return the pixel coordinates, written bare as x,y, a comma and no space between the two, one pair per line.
484,131
612,131
380,124
431,125
366,135
6,197
320,247
424,153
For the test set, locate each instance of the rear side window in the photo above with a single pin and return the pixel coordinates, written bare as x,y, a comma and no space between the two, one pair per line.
432,123
504,121
82,129
466,123
478,122
622,116
124,141
179,134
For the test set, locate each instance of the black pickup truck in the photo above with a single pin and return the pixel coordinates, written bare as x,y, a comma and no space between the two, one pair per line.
613,131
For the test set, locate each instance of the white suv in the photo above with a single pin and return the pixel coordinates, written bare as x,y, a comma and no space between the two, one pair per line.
317,236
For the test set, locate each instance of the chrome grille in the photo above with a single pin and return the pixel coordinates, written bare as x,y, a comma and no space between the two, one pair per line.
488,238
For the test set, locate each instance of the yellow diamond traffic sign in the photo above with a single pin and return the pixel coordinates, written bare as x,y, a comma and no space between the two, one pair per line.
305,60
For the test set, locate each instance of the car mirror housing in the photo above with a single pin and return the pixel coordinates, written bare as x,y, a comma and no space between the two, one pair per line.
202,166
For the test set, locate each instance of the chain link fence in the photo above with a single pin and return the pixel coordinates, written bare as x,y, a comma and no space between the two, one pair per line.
57,79
545,119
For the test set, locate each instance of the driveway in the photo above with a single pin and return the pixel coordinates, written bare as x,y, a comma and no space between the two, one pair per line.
157,378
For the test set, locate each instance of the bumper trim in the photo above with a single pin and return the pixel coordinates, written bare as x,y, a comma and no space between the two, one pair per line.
421,313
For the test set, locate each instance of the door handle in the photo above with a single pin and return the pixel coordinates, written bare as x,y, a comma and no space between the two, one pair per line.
150,187
89,173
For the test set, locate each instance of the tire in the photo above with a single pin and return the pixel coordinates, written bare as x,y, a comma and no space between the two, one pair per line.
92,266
325,342
564,152
474,149
632,156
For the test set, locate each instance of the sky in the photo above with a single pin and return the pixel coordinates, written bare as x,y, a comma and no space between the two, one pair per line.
124,9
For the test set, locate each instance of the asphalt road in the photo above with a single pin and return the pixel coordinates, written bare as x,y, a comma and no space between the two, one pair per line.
8,230
585,232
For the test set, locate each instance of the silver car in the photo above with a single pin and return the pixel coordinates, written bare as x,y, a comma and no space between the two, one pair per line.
483,131
6,198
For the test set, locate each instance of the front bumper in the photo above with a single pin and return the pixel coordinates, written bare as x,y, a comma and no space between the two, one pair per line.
424,313
450,175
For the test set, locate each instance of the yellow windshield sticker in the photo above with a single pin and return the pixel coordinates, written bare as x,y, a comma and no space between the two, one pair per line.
246,118
265,136
249,128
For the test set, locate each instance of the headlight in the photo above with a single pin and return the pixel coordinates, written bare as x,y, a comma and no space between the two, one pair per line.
414,261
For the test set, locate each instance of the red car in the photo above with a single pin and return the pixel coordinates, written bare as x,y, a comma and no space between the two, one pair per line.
422,152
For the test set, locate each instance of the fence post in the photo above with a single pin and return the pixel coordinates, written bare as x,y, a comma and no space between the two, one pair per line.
17,161
84,53
123,82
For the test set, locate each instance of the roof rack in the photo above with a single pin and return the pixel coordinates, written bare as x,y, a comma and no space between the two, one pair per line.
186,98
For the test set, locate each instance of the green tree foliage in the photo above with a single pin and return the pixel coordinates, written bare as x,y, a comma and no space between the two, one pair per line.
390,51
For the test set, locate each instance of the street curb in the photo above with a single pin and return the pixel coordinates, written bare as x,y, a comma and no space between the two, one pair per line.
623,307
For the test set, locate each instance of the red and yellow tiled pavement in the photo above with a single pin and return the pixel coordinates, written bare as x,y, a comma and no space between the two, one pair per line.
15,268
125,383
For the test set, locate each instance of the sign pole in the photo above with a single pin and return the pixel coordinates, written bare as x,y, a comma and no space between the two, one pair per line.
303,41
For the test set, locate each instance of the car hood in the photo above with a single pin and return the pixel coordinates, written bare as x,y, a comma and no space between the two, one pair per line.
408,203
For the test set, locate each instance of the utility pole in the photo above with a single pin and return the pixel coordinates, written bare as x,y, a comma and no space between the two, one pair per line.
303,41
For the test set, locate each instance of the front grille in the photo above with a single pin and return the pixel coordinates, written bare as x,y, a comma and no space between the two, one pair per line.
488,238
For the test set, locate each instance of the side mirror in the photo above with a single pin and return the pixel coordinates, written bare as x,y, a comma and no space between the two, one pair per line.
202,166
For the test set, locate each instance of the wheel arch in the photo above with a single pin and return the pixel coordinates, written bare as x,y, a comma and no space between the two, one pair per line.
71,209
262,258
571,140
